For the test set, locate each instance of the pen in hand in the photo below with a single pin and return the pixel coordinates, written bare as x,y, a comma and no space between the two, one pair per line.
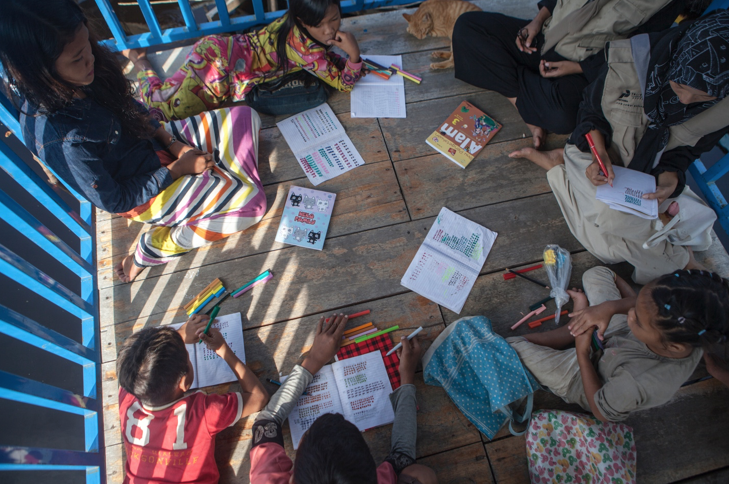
216,309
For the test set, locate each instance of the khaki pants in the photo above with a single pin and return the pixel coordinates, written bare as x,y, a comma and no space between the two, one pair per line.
558,370
609,235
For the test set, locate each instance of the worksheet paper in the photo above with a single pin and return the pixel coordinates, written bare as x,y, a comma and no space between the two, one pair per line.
626,194
358,388
320,144
375,97
449,260
210,369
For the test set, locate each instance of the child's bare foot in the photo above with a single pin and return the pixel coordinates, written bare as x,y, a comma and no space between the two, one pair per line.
538,136
579,300
127,270
693,264
138,57
544,159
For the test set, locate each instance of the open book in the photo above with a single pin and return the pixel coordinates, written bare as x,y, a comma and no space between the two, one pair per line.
210,369
449,260
626,194
357,388
320,144
375,97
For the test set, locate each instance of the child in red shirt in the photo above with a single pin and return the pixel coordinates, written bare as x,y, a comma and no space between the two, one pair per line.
169,436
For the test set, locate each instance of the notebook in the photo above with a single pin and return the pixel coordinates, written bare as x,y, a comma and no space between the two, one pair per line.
320,144
358,388
449,260
210,369
306,217
381,344
375,97
463,134
626,194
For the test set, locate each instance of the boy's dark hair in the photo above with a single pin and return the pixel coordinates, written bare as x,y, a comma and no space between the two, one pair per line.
310,12
333,451
693,307
151,363
33,34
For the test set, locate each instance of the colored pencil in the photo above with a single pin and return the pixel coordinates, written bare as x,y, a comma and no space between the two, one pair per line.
594,152
374,335
374,65
216,309
509,275
252,285
399,345
547,318
204,297
257,278
353,338
529,279
218,304
406,75
199,295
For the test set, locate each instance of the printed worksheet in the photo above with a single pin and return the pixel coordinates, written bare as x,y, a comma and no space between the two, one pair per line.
626,194
320,144
357,388
210,369
449,260
375,97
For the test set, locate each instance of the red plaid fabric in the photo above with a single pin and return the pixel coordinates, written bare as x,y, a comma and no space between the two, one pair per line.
381,343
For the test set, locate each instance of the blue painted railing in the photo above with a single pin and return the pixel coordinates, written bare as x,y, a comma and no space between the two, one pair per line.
192,30
83,306
706,179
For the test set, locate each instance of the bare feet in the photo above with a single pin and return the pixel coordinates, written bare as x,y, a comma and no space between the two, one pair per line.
545,159
693,264
127,270
138,57
579,300
538,136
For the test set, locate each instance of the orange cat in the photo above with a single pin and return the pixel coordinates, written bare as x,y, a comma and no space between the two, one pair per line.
437,19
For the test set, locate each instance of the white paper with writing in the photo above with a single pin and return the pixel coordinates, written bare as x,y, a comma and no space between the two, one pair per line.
375,97
449,260
320,144
322,398
626,194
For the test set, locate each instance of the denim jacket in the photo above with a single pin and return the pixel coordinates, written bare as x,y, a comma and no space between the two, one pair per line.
85,146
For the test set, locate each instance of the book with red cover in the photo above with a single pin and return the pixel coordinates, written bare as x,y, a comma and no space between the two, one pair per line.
381,343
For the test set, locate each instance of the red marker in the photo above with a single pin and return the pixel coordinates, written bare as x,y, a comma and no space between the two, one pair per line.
599,160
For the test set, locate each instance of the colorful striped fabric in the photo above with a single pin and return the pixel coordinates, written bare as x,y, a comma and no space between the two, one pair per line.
198,210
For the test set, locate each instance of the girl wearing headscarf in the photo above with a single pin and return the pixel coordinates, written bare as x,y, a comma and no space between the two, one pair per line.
658,103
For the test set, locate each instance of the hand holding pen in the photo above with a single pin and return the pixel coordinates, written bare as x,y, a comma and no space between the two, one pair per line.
601,169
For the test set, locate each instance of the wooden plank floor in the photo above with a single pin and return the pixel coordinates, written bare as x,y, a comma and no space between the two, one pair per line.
382,213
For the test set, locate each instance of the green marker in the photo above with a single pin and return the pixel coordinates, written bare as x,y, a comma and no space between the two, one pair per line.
374,335
215,312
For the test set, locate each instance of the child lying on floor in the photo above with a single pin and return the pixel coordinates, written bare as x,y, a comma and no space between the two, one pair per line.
333,449
652,341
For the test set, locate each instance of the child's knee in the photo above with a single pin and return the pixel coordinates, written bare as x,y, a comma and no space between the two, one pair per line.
597,276
423,474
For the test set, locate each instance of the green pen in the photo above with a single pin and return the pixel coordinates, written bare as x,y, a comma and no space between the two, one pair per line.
216,309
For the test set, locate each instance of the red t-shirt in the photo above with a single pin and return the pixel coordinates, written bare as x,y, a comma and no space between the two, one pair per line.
175,442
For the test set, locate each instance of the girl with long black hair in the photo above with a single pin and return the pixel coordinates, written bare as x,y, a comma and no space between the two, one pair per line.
79,117
220,68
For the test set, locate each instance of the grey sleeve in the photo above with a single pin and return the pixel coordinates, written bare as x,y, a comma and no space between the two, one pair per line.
405,427
284,400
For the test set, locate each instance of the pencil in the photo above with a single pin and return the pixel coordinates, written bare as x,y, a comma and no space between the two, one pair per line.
374,65
216,309
594,152
203,298
529,279
508,276
218,304
540,303
399,345
406,75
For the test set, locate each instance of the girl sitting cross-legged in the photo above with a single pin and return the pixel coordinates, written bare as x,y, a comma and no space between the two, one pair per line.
195,181
652,341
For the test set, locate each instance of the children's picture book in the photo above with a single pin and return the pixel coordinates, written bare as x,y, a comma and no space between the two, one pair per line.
358,388
306,217
626,194
449,260
210,369
320,144
463,134
375,97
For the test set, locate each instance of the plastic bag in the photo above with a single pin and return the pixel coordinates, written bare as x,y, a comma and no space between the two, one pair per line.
559,269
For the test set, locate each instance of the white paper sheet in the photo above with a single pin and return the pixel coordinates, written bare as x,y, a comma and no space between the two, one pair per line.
375,97
320,144
210,369
626,194
322,398
449,260
364,390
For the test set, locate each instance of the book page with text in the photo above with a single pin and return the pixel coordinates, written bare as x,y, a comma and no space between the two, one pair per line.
212,369
456,236
322,398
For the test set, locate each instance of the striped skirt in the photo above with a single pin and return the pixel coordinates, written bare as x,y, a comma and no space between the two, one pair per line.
197,210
